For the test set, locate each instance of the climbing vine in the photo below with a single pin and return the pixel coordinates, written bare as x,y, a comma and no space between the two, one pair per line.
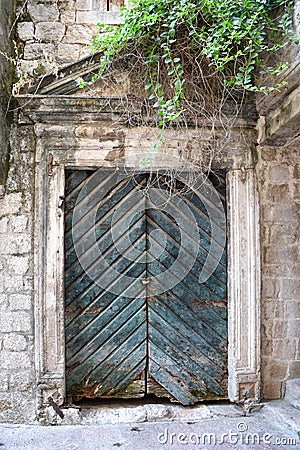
187,50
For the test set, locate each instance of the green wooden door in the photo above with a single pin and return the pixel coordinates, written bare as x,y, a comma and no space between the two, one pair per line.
137,318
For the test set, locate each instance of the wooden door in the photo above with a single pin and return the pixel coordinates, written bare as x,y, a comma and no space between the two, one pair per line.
137,319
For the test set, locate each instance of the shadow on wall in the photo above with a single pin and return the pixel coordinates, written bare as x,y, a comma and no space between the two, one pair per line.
6,78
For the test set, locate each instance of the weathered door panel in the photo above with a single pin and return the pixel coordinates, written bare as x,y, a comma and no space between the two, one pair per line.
188,323
172,343
106,332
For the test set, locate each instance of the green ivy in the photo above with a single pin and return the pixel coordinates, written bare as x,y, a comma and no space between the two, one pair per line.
232,35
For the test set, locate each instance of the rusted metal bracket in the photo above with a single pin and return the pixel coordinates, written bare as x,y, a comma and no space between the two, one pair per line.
50,164
61,201
56,407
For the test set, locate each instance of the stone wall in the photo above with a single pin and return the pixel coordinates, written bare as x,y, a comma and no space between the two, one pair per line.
53,33
278,173
17,390
16,313
17,380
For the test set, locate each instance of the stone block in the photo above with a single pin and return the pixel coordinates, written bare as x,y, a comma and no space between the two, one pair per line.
15,322
68,52
268,153
14,360
36,50
16,244
292,392
284,349
94,17
5,403
26,31
89,17
84,5
13,283
79,34
20,302
23,243
280,329
68,16
21,380
291,158
281,213
279,174
28,283
4,382
18,224
282,270
19,177
296,171
292,308
285,233
296,193
270,288
291,289
11,203
3,225
18,264
267,331
14,342
43,12
50,31
266,345
7,245
272,389
279,193
3,299
5,322
280,255
27,201
21,321
21,409
294,327
294,369
84,52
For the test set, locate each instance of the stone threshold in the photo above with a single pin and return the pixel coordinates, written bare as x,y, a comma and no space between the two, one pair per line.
114,413
281,411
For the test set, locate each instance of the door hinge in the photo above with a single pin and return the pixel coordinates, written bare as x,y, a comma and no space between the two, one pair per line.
50,164
61,201
56,407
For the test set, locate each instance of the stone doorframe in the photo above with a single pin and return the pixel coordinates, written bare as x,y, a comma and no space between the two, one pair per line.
243,274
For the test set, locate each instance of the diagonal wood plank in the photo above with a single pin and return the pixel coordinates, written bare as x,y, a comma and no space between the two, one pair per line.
187,323
106,333
178,336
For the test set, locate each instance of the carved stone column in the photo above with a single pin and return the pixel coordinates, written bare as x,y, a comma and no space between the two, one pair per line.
244,286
